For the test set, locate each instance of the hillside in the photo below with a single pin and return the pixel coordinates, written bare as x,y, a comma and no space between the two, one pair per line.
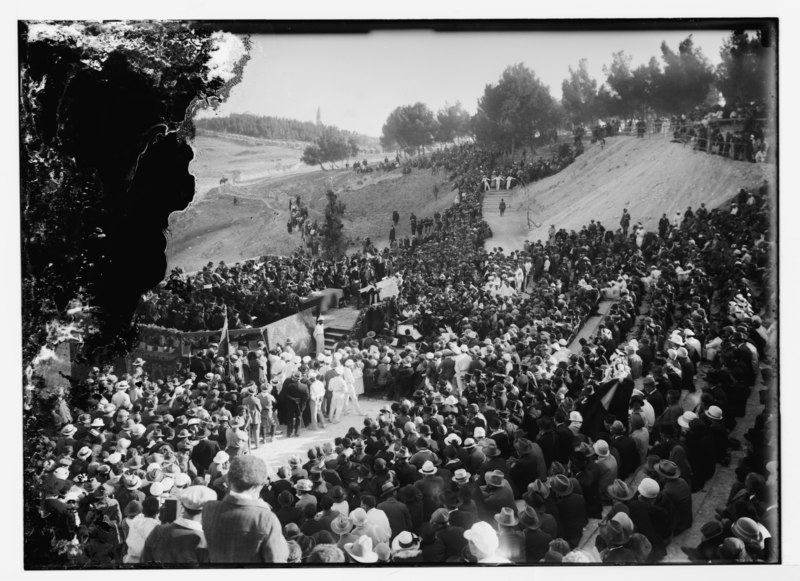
649,177
214,229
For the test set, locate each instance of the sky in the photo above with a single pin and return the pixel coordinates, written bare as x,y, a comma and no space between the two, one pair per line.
357,80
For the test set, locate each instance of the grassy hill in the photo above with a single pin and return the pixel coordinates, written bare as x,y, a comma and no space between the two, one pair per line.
649,177
214,229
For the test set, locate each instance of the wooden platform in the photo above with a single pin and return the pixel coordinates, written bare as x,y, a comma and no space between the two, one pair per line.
339,323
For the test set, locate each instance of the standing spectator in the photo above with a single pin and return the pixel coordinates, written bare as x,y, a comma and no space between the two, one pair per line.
241,528
181,542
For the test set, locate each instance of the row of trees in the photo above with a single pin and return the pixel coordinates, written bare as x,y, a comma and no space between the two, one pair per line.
745,78
277,128
519,107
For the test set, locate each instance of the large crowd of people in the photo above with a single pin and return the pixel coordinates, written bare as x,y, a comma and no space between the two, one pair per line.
498,443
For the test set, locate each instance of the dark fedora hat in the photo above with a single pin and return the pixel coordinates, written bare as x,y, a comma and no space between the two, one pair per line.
619,490
450,499
388,487
668,469
337,494
615,534
561,485
529,518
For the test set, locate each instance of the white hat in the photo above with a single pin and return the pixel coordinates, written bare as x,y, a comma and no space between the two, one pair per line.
649,488
575,416
479,432
453,439
221,457
195,497
687,417
484,537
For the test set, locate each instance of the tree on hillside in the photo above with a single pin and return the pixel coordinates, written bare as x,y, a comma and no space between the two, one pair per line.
512,111
579,94
633,91
747,72
453,123
410,127
686,80
333,243
330,147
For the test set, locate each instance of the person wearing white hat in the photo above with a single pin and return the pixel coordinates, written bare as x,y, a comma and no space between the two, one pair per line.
121,399
316,393
182,541
484,543
575,422
350,396
652,516
338,389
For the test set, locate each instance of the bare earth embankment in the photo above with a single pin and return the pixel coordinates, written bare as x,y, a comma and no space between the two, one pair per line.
648,176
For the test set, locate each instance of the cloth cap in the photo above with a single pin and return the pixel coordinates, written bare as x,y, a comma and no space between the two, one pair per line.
195,497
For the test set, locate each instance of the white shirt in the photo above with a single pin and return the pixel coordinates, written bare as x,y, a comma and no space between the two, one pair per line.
140,528
317,390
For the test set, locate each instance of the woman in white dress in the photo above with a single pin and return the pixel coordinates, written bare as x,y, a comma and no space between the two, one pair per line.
358,378
319,335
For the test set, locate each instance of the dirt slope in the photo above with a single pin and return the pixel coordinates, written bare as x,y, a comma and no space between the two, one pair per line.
648,176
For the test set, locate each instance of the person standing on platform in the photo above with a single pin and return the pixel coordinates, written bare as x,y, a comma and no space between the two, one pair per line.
319,335
502,206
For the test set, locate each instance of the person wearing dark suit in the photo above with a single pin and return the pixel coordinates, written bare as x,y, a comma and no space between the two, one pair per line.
183,541
451,537
679,493
528,467
397,512
460,516
495,495
627,450
572,516
203,452
431,485
536,540
651,513
241,528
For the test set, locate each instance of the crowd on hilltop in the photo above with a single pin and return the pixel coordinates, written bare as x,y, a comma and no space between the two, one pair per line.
499,443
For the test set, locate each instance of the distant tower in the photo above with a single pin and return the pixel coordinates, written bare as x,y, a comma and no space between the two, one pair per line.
319,117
